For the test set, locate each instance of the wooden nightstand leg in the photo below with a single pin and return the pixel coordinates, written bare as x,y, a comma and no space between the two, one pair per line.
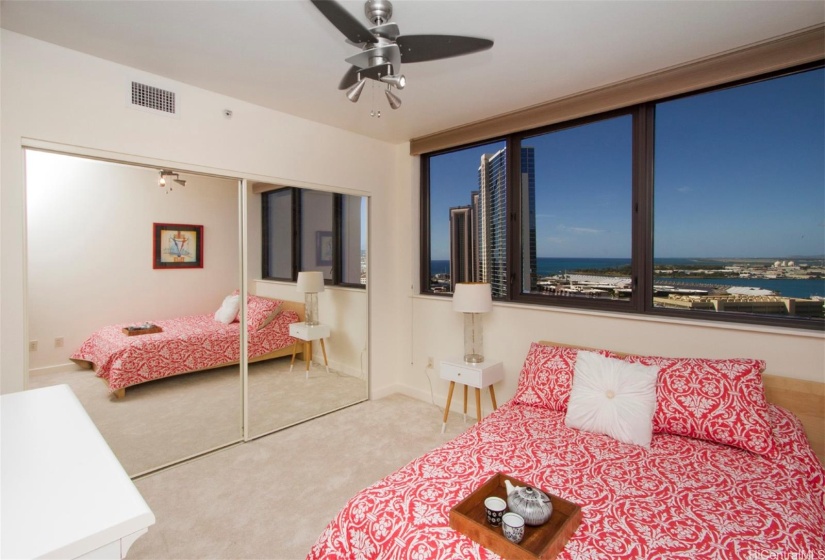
324,350
493,397
294,351
308,355
478,405
447,408
465,403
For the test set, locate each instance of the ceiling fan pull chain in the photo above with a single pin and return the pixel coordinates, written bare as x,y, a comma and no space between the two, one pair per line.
373,112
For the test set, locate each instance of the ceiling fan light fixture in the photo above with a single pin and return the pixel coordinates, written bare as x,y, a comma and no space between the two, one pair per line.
354,92
164,173
395,101
398,80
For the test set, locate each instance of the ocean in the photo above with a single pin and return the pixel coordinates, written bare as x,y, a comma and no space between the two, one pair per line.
783,286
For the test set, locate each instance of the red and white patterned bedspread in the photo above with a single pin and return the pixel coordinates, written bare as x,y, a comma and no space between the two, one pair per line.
186,344
685,498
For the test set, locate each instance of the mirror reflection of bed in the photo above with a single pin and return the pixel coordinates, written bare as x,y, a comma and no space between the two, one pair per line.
89,267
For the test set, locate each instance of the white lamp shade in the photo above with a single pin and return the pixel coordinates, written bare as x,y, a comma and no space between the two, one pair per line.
472,297
310,282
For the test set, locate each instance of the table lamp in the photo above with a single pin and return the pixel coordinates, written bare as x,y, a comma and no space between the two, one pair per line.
310,283
472,299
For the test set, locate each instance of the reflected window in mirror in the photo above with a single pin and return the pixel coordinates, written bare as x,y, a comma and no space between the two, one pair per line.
312,230
279,251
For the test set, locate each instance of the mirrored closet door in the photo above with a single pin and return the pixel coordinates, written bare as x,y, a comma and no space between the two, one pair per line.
113,246
291,232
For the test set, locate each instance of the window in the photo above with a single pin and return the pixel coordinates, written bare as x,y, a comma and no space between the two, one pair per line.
739,199
576,187
467,190
278,226
313,230
710,205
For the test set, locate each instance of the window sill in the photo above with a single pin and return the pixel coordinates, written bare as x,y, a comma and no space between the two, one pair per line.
698,323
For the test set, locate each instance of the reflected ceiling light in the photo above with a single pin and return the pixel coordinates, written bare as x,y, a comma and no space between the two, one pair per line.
164,173
354,92
395,101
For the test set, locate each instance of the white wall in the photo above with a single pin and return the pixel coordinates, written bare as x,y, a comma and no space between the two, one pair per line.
90,233
62,97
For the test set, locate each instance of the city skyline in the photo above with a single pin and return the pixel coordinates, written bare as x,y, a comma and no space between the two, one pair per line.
737,175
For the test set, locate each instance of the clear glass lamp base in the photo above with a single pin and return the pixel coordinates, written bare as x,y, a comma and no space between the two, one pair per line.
473,336
311,303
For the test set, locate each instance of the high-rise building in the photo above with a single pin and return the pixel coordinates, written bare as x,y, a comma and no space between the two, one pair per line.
462,252
484,257
492,255
529,270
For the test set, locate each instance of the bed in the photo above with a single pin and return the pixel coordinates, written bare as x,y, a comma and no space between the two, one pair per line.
728,475
189,344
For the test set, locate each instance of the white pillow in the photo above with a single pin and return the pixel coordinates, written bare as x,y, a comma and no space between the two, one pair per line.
229,309
613,397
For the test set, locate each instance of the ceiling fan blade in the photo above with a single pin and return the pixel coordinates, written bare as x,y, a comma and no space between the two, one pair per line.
350,78
344,21
374,73
421,48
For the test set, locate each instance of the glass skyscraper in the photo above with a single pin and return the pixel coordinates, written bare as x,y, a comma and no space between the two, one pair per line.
485,254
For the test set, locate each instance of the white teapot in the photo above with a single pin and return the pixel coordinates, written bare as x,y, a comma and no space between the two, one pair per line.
533,505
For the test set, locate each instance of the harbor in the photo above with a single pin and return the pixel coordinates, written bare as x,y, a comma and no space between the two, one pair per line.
754,286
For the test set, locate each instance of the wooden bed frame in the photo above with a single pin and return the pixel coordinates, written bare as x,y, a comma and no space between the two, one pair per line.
806,399
297,307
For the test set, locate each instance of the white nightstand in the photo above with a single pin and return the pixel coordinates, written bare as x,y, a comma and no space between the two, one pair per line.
308,333
484,374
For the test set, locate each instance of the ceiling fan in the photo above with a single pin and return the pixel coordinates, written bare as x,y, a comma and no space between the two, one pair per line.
384,48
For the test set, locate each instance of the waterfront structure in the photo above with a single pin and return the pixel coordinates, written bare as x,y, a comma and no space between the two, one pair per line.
771,305
484,253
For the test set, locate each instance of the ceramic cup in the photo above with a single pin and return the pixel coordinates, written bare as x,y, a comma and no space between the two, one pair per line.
512,525
495,510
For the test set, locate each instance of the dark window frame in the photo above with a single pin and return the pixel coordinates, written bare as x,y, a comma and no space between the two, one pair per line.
337,224
641,302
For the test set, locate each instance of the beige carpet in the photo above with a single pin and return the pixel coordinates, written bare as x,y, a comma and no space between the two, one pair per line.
167,420
271,498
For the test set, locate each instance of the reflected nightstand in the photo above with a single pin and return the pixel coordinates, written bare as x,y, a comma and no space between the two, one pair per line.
308,333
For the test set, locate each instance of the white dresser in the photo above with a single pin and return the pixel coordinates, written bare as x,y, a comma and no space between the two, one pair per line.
64,493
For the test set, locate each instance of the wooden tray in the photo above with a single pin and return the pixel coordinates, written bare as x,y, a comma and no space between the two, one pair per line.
136,331
545,541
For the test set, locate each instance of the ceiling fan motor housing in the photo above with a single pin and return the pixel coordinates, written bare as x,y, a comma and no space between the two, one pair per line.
378,11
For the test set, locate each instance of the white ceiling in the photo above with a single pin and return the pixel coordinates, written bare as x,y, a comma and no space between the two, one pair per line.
283,54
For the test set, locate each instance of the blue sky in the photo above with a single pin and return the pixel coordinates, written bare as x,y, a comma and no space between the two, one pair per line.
738,173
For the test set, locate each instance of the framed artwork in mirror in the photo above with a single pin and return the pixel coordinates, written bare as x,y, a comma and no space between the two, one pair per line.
177,246
323,248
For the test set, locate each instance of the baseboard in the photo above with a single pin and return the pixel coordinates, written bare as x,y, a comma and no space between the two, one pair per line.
68,366
382,392
342,368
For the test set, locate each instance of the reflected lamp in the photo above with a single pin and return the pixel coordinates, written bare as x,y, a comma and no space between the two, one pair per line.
310,283
473,299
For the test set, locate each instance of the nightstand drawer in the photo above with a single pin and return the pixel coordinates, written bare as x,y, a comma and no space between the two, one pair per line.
467,376
308,332
478,375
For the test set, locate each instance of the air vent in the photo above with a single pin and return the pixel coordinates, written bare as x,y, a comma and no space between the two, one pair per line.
153,98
